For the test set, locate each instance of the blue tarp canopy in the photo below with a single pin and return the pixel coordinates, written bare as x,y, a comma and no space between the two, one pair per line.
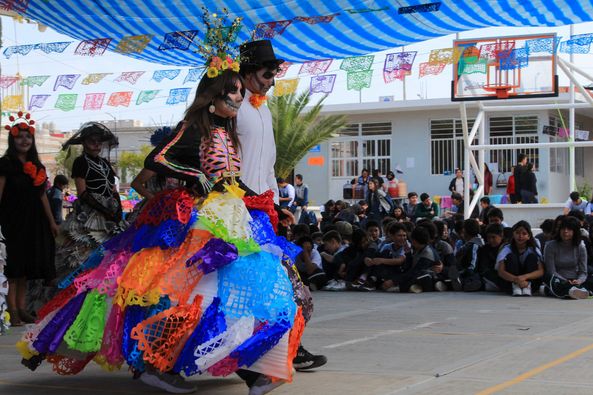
301,30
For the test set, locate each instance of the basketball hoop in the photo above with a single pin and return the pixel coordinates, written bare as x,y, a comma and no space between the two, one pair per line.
501,91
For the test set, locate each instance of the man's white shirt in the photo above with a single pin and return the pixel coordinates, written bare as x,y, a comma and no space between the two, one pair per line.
258,147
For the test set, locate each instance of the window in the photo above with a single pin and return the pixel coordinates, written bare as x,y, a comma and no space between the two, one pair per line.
446,145
513,130
559,156
361,145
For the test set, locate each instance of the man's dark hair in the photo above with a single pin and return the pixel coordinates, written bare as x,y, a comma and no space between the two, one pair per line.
299,176
420,235
424,196
575,196
495,229
495,212
430,227
396,227
578,214
521,157
547,226
332,235
485,199
412,194
60,179
471,227
304,239
456,196
301,230
371,224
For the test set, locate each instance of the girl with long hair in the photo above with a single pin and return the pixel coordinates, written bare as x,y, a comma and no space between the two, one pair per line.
25,217
519,263
200,282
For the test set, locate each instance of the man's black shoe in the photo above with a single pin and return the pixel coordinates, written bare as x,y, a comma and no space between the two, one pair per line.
304,360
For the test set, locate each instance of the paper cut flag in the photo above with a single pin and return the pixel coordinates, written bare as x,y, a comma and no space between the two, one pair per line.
518,58
66,80
133,44
146,96
496,51
315,66
66,101
178,95
93,47
94,78
399,61
283,69
577,44
313,20
93,101
53,47
270,30
428,69
193,75
357,63
18,49
178,40
160,75
539,45
285,87
120,99
7,82
34,80
395,75
130,76
19,6
444,56
12,103
322,83
359,80
472,68
428,7
37,101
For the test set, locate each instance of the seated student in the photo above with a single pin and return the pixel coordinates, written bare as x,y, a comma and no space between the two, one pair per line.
419,277
565,260
495,216
486,206
575,202
374,232
300,230
547,233
385,240
456,205
410,206
399,214
439,275
487,258
352,261
519,263
456,236
464,275
309,264
317,239
426,208
332,245
387,267
445,252
345,230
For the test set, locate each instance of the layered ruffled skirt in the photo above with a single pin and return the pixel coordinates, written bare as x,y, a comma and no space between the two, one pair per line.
192,287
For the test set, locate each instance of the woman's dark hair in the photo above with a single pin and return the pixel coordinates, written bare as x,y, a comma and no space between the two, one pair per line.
430,227
403,216
358,236
530,166
440,227
209,89
525,225
421,235
32,154
569,223
547,226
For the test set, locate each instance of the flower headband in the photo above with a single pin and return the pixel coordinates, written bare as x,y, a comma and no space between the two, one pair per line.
22,122
219,48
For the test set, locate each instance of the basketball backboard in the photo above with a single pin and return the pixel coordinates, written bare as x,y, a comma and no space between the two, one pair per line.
504,67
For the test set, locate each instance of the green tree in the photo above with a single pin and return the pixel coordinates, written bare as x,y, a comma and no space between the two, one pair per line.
130,163
297,129
65,159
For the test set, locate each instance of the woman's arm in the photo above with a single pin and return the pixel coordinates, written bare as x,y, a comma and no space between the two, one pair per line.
139,183
80,184
535,274
502,272
50,217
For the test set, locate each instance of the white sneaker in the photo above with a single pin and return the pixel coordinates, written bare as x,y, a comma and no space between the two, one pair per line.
416,289
393,289
527,290
330,285
440,286
578,293
263,385
340,285
517,291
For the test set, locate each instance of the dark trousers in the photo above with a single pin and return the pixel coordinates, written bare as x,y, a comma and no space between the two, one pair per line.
514,266
528,196
559,287
515,198
248,376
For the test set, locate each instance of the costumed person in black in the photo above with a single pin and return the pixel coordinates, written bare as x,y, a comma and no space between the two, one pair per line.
25,217
259,66
199,283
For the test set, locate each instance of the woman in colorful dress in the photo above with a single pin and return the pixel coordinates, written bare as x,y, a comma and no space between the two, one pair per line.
200,283
25,217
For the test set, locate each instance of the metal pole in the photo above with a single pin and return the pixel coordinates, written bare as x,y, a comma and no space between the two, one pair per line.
467,154
571,121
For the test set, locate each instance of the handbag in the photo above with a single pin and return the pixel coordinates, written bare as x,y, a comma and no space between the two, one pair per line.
501,181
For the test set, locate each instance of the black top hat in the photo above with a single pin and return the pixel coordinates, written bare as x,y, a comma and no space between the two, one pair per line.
259,53
92,129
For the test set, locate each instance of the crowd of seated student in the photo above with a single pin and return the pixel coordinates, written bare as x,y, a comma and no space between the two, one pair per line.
349,251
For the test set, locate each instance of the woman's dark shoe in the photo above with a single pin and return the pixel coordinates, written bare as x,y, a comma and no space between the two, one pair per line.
26,317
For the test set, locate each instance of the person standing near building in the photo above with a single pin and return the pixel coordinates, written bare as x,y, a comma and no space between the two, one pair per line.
519,175
456,184
529,191
259,67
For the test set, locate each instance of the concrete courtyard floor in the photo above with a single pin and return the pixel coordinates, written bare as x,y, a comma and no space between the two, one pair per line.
384,344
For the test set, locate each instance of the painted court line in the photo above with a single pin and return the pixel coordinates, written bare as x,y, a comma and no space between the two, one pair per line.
535,371
378,335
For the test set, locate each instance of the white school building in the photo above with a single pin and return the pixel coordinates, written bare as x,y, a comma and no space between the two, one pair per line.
424,139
